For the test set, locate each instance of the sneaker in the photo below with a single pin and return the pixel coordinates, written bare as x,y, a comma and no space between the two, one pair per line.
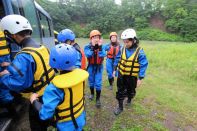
128,104
91,97
110,87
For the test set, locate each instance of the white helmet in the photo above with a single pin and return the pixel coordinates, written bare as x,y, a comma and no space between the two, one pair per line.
128,33
15,23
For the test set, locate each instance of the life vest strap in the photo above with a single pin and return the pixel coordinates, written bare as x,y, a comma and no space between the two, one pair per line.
39,87
72,113
2,38
34,88
71,109
43,63
67,116
4,47
123,70
127,65
42,77
134,59
66,109
132,62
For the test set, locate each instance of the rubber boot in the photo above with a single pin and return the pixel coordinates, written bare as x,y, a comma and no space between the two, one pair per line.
129,102
98,102
111,80
91,97
118,110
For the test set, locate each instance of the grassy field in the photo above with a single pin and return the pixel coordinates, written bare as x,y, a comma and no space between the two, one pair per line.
165,101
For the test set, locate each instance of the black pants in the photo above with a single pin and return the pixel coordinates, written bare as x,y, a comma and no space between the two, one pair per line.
36,124
126,87
14,107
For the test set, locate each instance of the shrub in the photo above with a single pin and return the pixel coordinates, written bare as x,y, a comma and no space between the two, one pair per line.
158,35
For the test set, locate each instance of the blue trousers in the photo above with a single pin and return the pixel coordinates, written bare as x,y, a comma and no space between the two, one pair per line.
69,126
5,96
95,76
110,68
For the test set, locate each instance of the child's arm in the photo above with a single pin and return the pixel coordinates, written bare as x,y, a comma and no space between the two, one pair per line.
117,58
21,73
102,52
51,98
79,57
106,46
143,64
88,51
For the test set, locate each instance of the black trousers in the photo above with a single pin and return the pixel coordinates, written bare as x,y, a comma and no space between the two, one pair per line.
36,124
126,87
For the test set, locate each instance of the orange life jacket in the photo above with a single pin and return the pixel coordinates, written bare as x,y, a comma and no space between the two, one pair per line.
83,60
113,51
95,59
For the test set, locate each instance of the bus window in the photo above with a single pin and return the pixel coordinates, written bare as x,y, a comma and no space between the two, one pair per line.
44,25
30,13
15,6
50,27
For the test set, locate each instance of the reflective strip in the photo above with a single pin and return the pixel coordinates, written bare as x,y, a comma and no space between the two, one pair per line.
16,68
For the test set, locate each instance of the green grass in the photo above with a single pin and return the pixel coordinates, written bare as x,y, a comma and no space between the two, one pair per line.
165,101
158,35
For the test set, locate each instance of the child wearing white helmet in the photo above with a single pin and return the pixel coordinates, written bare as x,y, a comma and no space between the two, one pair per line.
131,69
30,70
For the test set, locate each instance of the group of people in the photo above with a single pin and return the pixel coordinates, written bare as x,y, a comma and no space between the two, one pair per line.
56,78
